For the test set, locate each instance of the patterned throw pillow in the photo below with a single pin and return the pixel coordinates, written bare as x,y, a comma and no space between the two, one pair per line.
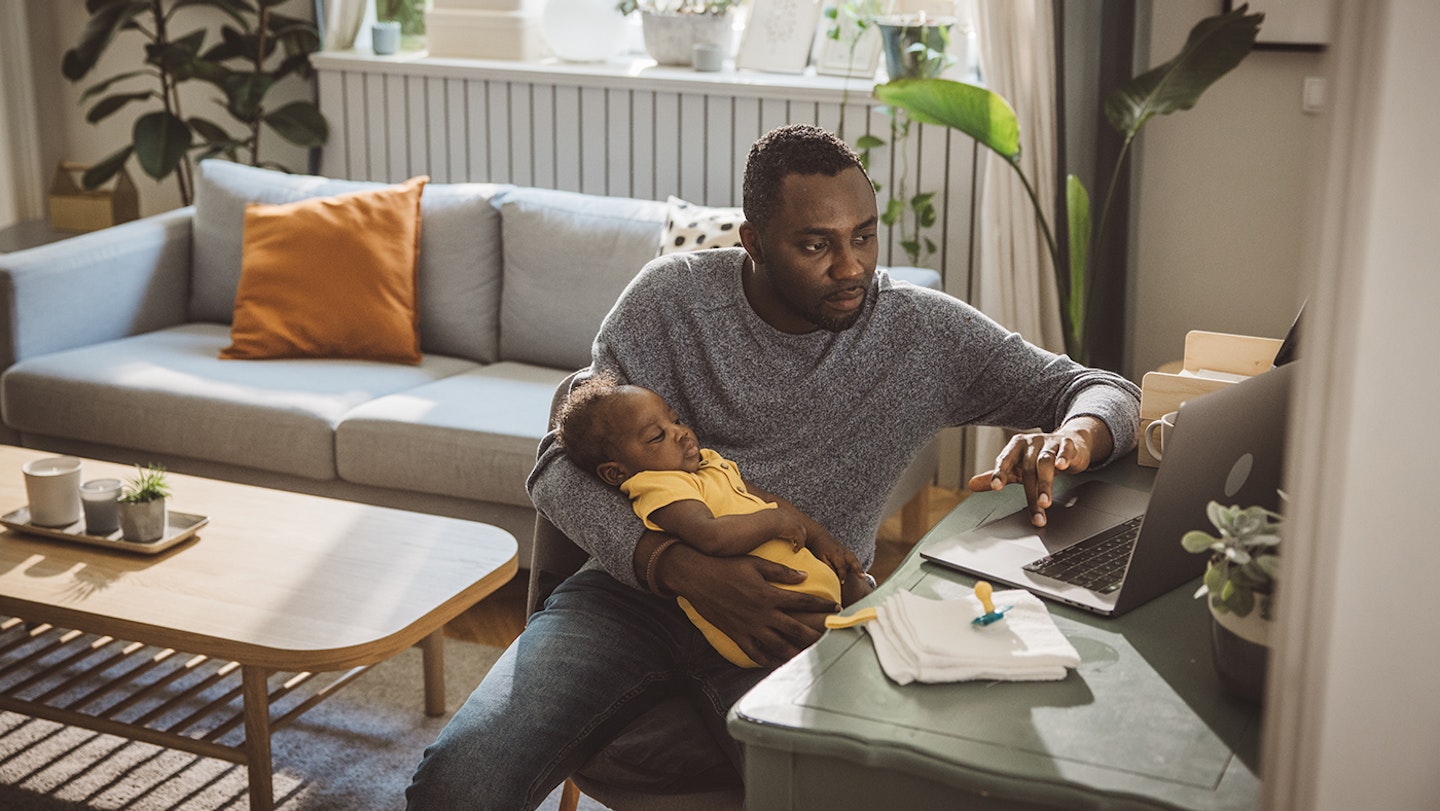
689,227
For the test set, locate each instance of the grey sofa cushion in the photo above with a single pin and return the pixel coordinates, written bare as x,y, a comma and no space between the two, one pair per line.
473,435
168,392
459,251
568,256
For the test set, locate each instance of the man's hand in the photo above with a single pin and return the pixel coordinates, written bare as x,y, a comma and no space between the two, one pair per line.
1033,459
735,594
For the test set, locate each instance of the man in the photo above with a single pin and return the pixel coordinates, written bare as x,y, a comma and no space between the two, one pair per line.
822,379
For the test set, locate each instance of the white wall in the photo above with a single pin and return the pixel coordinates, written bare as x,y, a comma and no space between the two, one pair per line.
1353,720
1223,192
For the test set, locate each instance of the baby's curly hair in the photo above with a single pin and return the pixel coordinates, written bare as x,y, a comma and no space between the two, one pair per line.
581,426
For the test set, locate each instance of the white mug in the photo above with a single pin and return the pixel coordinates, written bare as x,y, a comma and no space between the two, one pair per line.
53,486
1164,426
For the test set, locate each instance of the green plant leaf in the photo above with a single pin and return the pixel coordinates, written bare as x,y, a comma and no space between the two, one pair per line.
97,89
868,142
106,20
1077,222
1215,46
244,94
209,131
161,140
1196,541
894,209
300,123
108,106
96,175
975,111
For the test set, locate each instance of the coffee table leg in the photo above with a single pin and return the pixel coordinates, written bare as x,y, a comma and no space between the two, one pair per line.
257,737
432,656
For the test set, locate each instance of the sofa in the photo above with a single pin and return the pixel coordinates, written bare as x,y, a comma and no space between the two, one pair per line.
110,347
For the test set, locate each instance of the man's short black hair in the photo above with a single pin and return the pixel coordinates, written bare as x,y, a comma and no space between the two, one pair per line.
795,149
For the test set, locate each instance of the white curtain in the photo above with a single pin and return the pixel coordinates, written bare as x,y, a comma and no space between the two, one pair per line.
21,193
1015,284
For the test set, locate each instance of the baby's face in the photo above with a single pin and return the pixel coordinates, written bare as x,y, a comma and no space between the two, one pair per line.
648,434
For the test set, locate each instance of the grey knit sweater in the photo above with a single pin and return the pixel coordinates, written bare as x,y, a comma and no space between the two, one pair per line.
826,420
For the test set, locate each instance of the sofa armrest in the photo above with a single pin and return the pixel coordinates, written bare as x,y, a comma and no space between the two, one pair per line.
95,287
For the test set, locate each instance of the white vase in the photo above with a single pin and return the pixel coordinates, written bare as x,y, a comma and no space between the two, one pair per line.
670,39
583,30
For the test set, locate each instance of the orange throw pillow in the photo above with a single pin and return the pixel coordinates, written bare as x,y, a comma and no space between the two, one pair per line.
331,277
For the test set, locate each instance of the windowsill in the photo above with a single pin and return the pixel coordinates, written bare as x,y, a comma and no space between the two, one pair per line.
633,73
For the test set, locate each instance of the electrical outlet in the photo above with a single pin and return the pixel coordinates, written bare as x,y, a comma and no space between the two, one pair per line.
1312,94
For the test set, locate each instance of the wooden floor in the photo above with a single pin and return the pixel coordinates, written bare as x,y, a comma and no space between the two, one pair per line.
499,618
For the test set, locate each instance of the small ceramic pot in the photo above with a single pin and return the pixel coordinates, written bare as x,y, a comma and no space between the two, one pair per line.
1241,650
143,522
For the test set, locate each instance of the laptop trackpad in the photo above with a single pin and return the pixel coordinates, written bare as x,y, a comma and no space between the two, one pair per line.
1085,511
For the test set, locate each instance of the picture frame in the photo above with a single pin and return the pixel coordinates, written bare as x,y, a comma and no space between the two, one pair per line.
778,36
834,57
1291,25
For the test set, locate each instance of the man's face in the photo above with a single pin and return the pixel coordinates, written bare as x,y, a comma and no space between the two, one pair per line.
816,257
646,434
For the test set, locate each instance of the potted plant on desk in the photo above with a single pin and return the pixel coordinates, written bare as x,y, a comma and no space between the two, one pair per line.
1240,582
142,505
672,28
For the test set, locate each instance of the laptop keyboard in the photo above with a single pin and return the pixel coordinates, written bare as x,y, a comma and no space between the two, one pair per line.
1097,563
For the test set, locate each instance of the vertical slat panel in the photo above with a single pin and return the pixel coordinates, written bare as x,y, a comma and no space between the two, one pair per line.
931,174
882,173
330,95
498,99
359,132
437,131
692,147
542,108
457,140
397,153
773,113
593,142
417,122
720,165
827,116
667,144
642,145
477,124
621,144
567,138
747,131
379,123
522,144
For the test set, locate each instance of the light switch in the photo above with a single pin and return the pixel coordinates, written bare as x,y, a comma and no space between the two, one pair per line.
1312,96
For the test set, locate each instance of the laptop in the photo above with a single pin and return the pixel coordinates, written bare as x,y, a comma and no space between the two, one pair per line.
1227,446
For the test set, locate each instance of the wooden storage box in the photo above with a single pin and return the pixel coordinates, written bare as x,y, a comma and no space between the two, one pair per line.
1213,360
72,208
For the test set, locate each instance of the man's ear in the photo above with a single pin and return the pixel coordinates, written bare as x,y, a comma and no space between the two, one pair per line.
750,239
611,473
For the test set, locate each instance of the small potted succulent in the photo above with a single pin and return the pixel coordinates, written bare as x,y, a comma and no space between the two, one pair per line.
672,28
142,505
1240,582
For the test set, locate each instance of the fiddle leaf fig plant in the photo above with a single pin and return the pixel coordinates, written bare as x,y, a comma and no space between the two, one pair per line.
1215,46
258,48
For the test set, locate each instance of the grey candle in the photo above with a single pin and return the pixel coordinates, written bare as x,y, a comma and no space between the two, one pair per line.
101,500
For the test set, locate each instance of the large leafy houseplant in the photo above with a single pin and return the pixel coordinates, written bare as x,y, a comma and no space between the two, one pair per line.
257,49
1215,46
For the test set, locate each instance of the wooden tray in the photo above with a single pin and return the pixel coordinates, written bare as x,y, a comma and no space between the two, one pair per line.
178,527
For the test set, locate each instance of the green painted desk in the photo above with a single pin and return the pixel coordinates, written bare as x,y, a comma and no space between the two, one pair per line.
1141,724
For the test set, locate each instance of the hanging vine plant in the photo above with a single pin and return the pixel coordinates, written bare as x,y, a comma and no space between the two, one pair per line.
258,48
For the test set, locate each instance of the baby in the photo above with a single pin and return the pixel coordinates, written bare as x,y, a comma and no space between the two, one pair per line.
631,438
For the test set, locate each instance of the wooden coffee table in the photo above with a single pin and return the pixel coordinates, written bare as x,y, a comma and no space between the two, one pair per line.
272,597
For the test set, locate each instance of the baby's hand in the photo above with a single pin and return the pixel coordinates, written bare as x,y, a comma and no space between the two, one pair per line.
793,526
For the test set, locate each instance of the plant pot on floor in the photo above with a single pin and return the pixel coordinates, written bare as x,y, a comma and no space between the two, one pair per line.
670,39
143,521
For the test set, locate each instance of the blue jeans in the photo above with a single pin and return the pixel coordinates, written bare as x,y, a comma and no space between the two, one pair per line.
595,658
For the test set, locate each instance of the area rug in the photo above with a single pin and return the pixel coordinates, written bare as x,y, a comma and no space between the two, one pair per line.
353,752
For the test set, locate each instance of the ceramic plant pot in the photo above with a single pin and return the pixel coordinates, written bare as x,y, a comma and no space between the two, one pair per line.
915,46
1241,649
670,39
142,522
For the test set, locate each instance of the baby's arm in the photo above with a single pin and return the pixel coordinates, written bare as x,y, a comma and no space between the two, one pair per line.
691,521
818,539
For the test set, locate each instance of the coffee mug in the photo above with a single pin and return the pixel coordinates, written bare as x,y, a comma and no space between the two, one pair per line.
1163,427
53,486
